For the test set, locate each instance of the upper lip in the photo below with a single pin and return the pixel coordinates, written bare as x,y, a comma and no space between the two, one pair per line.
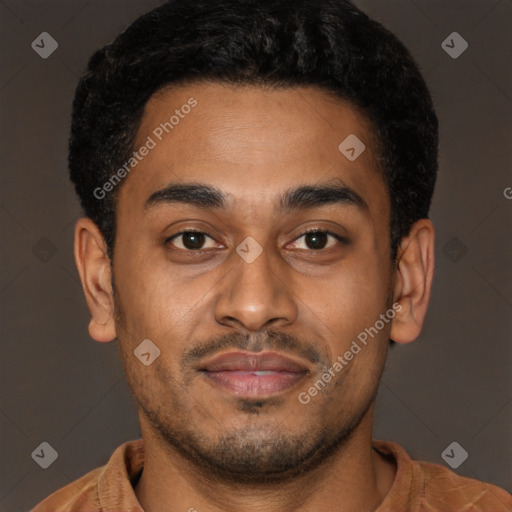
251,361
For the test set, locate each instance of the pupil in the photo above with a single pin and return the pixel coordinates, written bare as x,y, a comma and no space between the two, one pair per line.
316,239
195,239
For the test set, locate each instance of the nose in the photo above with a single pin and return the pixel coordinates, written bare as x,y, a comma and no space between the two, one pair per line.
256,295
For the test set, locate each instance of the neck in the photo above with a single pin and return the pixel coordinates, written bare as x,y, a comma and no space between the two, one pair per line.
355,478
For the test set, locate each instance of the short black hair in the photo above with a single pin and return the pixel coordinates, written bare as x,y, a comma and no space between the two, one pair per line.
279,43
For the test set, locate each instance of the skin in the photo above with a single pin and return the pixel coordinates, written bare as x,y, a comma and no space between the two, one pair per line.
205,448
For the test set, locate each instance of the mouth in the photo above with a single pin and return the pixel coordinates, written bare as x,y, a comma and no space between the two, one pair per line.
247,374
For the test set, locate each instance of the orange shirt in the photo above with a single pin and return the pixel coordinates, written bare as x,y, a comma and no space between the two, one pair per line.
418,487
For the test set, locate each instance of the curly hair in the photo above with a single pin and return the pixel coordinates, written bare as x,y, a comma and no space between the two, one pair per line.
277,43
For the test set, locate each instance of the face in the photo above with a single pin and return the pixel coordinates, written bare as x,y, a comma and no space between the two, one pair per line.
249,309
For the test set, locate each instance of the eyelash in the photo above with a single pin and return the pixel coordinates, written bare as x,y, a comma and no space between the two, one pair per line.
341,239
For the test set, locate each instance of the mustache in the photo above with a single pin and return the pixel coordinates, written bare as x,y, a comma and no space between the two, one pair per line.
268,340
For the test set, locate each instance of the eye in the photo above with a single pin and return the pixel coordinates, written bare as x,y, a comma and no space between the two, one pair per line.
316,239
191,240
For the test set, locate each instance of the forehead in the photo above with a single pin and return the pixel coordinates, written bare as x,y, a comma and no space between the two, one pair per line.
253,143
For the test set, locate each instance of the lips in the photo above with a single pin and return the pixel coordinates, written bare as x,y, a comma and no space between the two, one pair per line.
254,375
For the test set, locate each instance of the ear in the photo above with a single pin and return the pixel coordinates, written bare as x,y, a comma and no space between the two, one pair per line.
93,266
413,281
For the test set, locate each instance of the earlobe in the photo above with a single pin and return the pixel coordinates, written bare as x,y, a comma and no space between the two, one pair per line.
93,266
413,281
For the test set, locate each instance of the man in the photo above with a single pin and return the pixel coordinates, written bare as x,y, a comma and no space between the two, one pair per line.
256,177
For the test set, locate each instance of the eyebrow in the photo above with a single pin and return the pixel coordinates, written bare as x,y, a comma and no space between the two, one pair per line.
303,197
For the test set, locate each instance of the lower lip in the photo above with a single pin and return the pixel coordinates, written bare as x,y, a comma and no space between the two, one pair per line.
253,384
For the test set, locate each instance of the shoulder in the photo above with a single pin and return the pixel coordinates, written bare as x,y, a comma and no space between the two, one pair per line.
444,488
78,495
106,487
421,485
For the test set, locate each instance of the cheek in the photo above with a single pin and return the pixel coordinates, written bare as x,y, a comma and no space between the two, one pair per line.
159,303
351,301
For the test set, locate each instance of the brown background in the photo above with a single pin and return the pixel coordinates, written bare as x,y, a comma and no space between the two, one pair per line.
57,385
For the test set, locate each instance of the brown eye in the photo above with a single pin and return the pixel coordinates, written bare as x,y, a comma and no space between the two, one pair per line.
318,239
190,240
